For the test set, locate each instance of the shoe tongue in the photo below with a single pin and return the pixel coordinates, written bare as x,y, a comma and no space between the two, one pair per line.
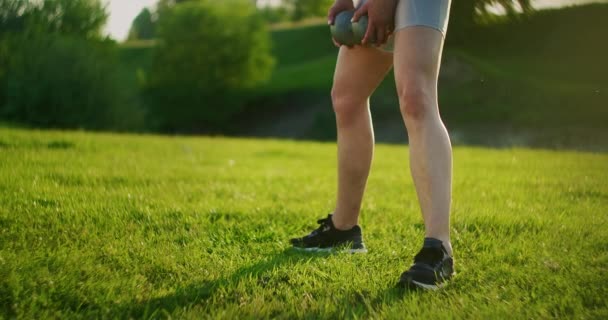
432,243
431,252
329,222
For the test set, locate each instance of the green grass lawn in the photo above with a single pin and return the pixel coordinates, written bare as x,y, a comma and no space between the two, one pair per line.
120,226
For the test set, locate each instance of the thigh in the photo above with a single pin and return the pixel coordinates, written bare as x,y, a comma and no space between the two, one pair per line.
360,70
417,56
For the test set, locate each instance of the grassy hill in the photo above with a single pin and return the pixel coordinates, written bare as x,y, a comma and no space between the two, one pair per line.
538,81
127,226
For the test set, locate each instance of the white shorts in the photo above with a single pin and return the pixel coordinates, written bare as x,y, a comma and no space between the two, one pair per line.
429,13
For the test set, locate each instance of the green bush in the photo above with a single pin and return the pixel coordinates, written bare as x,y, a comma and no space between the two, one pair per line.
209,54
64,82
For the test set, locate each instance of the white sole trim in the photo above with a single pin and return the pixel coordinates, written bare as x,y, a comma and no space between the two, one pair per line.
426,286
332,250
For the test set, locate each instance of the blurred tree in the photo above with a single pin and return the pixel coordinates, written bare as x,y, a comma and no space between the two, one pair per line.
302,9
275,14
74,17
143,27
209,53
464,13
165,4
66,82
83,18
57,70
12,15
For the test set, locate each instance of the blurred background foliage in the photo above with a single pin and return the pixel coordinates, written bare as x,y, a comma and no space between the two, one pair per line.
57,70
239,67
209,55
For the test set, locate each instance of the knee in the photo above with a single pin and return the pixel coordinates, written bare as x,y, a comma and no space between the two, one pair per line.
346,104
415,101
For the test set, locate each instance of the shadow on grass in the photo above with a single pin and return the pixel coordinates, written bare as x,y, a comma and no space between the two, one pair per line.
369,305
201,293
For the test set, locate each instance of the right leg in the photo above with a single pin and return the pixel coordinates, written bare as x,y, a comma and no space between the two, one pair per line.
359,71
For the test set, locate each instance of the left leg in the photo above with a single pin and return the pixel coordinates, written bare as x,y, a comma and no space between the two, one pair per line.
416,59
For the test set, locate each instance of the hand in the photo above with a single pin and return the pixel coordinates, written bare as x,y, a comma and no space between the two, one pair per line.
381,20
339,6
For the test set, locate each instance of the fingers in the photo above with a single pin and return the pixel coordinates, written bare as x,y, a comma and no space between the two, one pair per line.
360,12
377,34
369,35
336,43
381,35
331,15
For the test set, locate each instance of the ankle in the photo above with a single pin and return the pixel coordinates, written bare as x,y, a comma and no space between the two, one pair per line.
447,244
342,225
448,247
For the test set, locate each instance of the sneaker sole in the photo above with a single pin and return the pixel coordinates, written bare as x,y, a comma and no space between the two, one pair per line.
427,286
419,285
331,250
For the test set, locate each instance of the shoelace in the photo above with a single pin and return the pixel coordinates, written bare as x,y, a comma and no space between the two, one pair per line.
323,224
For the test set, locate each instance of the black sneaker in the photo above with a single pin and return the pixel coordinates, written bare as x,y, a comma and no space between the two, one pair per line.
328,238
431,269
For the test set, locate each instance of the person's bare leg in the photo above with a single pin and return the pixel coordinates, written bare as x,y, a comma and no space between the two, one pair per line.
417,59
358,72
